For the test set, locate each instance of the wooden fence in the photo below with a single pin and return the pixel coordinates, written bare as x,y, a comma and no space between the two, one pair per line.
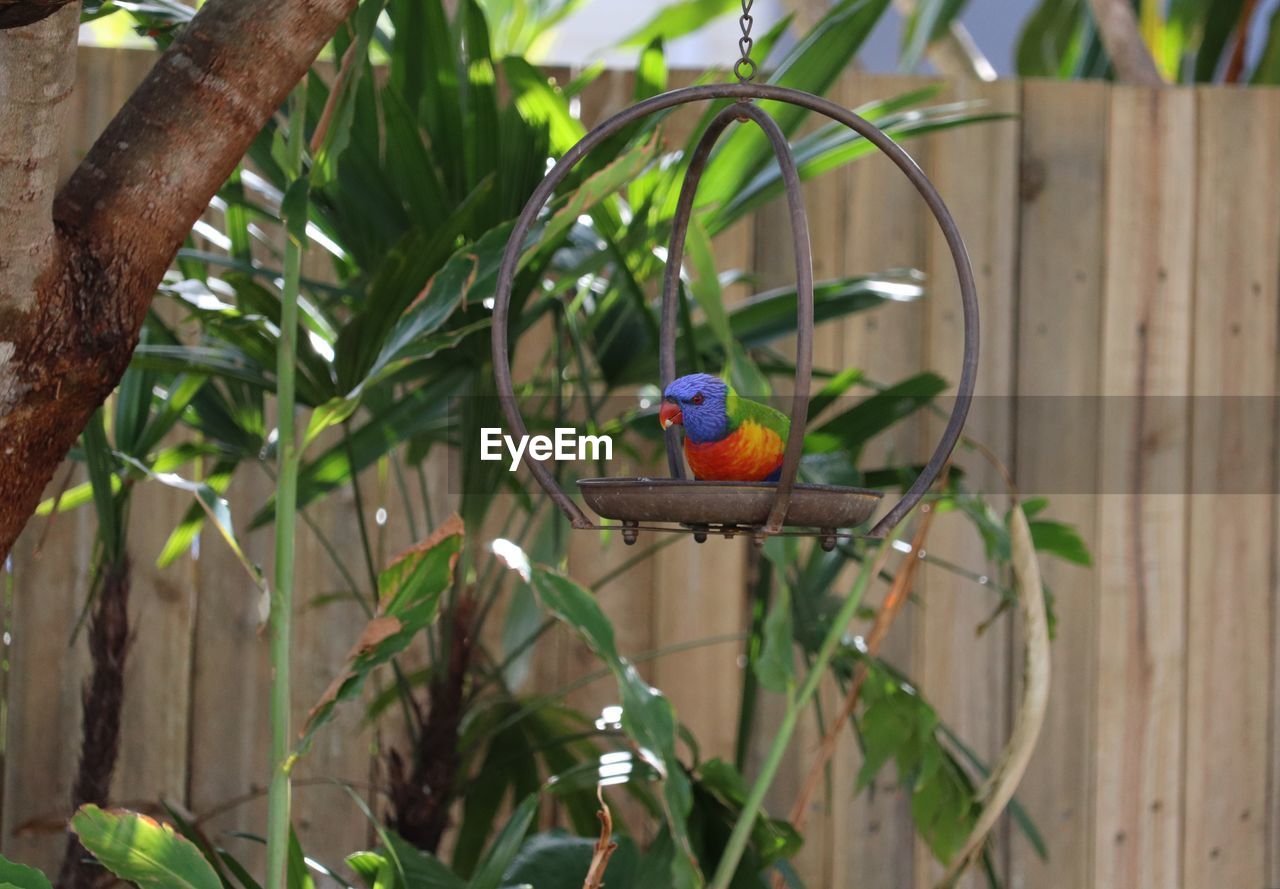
1126,242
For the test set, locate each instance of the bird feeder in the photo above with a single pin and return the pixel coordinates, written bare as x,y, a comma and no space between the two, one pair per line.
683,505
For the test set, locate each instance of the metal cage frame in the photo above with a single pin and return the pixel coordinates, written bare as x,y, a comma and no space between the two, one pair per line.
743,94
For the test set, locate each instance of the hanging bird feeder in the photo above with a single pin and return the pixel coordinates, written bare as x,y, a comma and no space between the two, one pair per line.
683,505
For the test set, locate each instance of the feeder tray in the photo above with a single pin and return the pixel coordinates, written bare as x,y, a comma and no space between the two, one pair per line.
741,504
760,508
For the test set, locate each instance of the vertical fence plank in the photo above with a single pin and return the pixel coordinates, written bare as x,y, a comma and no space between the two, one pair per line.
886,227
51,564
1141,616
231,676
1229,593
966,676
697,595
327,821
155,717
1064,138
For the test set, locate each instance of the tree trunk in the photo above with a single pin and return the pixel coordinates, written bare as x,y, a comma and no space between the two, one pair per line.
421,794
75,285
101,705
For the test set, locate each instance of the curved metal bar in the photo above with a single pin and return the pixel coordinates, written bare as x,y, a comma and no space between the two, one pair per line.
671,274
742,91
804,290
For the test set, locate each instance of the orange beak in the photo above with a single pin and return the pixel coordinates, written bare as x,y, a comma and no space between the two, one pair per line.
669,414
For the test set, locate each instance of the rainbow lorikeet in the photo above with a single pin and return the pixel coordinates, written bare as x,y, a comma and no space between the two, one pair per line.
726,437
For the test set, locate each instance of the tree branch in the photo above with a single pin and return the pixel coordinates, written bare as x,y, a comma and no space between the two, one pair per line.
1118,28
121,218
20,13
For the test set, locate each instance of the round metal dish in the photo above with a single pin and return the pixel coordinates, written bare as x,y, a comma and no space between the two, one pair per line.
745,504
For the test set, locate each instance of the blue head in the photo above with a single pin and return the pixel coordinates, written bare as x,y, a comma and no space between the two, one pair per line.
697,401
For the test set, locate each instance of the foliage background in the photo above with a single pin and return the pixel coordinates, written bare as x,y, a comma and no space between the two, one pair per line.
1005,137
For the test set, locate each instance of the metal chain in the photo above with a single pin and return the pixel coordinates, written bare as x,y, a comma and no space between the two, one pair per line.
745,68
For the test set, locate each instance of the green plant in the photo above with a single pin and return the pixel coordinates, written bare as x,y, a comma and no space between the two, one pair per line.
1187,42
409,184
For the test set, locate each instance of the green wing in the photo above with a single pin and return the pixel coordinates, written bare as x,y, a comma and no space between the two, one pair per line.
740,409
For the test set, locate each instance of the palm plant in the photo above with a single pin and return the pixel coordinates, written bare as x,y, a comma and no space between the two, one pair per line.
413,176
1175,41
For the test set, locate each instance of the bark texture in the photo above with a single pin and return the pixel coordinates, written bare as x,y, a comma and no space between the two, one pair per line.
37,72
122,216
423,792
101,703
20,13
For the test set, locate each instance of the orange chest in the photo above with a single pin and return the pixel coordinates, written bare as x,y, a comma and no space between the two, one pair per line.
751,454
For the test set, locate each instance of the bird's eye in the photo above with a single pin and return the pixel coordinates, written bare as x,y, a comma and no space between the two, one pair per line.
697,399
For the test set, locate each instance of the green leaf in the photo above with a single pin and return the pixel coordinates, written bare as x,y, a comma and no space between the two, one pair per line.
22,877
334,411
409,592
1017,811
478,83
425,72
1221,18
600,186
539,102
1060,539
132,405
421,871
505,846
834,145
178,395
812,66
678,19
192,833
834,388
294,209
342,101
1050,39
651,71
297,875
559,861
1033,506
853,428
215,507
928,23
369,866
101,465
420,411
647,716
486,791
705,283
775,668
219,361
142,850
74,497
771,315
400,284
770,840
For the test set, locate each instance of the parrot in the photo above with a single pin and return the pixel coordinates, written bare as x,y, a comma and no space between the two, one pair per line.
726,437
